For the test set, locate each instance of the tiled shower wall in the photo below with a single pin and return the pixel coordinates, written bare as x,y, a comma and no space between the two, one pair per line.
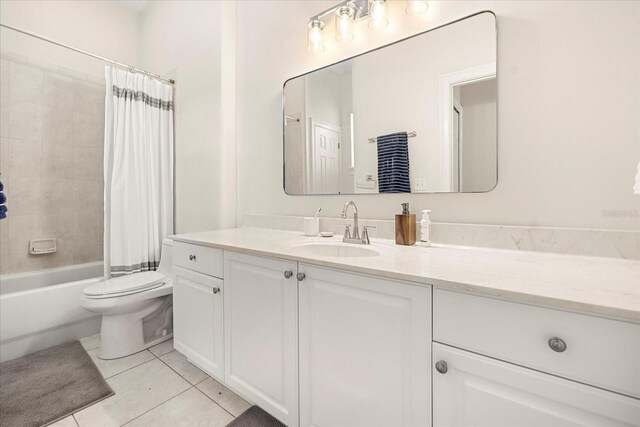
51,145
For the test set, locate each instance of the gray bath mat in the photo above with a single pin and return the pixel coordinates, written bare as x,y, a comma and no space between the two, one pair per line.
255,417
49,385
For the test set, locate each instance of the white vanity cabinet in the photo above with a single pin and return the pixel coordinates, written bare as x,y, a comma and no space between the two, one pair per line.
261,332
323,347
474,390
531,366
365,350
198,306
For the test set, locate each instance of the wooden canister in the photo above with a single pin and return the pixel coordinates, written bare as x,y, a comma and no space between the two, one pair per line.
406,229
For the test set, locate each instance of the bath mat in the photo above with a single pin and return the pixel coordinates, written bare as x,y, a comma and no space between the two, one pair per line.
255,417
46,386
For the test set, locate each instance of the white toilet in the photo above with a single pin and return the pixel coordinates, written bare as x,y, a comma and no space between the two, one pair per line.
137,310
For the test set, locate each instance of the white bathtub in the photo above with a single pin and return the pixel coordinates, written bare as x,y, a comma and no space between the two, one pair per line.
45,314
37,279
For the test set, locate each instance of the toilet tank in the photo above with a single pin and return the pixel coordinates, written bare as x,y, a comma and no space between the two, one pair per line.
166,258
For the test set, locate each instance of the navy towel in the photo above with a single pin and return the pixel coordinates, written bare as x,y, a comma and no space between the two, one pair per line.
3,200
393,163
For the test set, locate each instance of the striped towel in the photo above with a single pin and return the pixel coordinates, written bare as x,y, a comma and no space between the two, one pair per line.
393,163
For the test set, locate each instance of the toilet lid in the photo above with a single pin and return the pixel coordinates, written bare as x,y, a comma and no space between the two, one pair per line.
131,283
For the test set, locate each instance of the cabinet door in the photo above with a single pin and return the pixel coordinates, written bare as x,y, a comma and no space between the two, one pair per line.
480,391
365,350
261,328
197,306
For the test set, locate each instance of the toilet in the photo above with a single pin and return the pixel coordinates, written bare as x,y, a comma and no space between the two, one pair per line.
137,309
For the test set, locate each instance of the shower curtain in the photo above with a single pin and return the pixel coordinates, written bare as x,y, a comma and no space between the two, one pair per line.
138,171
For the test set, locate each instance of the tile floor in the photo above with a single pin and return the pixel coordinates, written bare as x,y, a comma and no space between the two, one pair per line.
156,387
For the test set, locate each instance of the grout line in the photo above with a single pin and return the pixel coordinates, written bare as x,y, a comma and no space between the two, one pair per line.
211,399
159,404
128,369
179,374
74,419
200,382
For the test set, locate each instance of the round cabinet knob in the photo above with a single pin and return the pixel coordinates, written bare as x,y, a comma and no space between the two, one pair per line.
216,290
288,274
557,344
441,366
300,277
192,257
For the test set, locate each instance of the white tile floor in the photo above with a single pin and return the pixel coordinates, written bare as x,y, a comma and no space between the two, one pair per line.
156,387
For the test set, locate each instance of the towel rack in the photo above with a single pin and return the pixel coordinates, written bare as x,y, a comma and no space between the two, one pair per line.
411,134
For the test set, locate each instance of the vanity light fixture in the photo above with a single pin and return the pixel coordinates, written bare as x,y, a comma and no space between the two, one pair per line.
315,40
378,15
346,14
416,7
344,23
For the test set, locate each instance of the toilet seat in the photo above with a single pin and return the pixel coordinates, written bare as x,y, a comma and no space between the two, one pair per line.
126,285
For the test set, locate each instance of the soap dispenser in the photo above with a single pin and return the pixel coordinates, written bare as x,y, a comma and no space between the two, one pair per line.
425,229
405,227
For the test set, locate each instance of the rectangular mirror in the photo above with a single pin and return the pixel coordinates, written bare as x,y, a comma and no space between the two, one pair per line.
416,116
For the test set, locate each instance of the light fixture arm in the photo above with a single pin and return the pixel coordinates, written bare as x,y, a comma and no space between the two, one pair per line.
360,7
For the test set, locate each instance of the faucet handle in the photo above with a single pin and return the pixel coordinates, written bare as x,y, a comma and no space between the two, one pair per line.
347,232
365,234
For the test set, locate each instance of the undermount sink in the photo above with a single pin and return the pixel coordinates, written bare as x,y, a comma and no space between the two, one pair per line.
341,250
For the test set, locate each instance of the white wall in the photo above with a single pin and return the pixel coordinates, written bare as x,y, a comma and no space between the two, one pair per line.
194,42
102,27
567,110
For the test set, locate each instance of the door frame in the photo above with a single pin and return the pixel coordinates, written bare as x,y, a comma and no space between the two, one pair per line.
447,83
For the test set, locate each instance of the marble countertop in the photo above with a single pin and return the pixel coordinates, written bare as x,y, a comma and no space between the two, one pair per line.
599,286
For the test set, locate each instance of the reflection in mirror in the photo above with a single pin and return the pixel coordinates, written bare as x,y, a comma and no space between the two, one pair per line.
416,116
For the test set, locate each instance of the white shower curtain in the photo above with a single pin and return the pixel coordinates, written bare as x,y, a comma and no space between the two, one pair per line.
138,171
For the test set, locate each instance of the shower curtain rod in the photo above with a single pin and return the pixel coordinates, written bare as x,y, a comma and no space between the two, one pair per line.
93,55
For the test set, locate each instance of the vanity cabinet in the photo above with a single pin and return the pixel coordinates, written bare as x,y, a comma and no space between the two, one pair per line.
197,307
316,346
601,352
500,363
469,389
261,332
365,350
480,391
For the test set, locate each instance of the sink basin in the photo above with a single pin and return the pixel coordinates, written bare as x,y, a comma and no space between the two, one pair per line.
340,250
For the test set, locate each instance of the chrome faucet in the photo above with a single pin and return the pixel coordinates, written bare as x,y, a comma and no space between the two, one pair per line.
355,238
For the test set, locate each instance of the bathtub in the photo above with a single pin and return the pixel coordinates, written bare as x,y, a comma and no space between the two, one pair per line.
37,279
42,309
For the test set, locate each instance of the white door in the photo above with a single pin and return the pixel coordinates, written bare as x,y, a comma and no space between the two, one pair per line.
325,158
480,391
261,332
197,307
365,350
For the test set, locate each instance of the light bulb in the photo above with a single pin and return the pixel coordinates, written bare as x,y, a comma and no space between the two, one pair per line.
344,24
315,42
416,7
378,14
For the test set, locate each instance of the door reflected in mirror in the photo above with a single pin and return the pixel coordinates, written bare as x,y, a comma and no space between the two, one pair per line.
416,116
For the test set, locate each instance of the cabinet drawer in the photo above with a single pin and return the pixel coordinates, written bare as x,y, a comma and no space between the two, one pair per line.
601,352
202,259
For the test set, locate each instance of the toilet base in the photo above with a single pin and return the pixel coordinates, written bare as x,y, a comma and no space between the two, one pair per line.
124,334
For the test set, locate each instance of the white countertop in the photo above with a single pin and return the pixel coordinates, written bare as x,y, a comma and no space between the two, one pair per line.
599,286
